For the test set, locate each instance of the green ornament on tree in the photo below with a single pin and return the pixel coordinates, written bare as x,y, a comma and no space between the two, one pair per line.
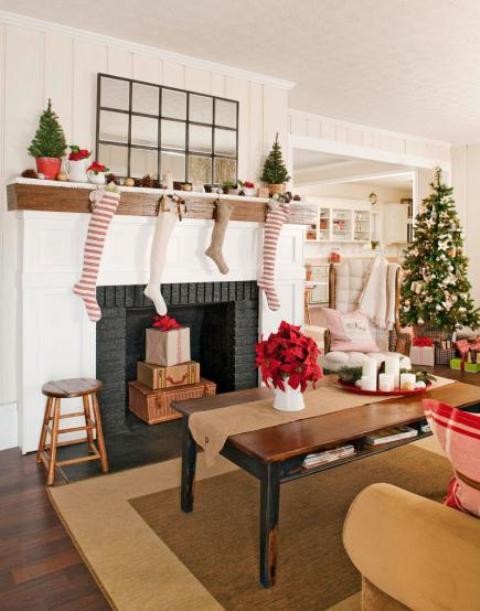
436,290
274,170
49,141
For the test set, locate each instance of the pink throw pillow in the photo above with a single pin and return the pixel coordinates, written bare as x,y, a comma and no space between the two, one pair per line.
350,331
459,435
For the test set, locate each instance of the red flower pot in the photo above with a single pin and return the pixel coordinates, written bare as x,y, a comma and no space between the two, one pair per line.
49,166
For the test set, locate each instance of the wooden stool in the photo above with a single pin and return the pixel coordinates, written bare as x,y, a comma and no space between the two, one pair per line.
67,389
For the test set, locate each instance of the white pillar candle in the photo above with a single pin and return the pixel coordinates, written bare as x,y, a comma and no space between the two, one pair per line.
369,367
385,382
368,383
392,367
369,371
408,381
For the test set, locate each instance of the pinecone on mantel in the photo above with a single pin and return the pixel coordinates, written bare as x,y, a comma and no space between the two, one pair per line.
147,182
112,178
29,174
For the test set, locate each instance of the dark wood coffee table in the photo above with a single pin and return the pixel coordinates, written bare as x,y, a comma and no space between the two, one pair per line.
274,455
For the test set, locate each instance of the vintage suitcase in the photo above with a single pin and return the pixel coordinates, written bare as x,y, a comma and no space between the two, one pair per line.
153,406
159,376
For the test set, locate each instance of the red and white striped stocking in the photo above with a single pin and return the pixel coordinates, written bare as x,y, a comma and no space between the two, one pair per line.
273,225
104,206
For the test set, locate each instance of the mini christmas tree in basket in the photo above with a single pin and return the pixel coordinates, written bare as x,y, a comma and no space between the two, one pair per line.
275,172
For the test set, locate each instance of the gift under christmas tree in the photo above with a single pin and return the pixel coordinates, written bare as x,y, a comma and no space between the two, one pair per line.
436,290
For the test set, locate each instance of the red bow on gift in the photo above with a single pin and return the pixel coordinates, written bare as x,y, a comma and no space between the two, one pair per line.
423,342
165,323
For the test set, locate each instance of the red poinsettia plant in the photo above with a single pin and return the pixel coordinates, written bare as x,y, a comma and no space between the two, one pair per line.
165,323
97,167
77,154
288,356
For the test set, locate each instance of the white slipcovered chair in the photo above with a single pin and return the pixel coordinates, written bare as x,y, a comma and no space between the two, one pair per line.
346,283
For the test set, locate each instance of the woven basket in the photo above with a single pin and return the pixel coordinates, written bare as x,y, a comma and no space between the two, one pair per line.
153,406
443,356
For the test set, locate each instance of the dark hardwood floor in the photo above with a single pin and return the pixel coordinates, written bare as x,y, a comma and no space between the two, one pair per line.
39,566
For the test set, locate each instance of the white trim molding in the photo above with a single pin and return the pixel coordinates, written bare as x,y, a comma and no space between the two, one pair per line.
148,50
324,134
8,426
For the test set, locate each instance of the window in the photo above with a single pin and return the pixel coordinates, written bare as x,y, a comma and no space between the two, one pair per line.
144,128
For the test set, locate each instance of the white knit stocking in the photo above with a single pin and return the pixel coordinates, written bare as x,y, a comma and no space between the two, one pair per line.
276,218
104,205
166,220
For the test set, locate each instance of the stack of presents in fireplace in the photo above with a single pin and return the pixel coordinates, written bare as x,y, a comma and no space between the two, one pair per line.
168,374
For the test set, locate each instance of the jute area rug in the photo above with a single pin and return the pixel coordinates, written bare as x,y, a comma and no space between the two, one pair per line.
145,554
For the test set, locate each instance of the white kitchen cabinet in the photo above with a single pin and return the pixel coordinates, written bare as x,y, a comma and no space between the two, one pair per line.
341,221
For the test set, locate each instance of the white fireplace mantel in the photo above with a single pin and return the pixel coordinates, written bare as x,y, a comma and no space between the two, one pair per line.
57,340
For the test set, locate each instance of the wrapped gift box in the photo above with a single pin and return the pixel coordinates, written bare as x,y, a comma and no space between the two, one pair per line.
422,355
159,376
153,406
167,347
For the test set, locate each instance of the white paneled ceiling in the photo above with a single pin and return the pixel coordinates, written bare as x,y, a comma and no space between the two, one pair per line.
406,65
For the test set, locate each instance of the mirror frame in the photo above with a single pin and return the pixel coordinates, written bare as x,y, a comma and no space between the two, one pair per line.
159,149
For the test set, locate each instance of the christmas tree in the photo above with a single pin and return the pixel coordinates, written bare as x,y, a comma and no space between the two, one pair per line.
49,141
436,289
275,171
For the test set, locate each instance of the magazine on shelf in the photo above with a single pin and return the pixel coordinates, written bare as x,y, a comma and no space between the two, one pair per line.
390,435
320,458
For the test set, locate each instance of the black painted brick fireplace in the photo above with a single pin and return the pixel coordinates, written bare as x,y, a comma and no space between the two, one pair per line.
223,321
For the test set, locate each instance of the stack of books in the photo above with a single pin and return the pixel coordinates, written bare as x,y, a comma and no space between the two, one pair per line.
320,458
390,435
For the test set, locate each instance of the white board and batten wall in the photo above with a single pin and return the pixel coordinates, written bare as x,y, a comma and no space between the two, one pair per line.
41,60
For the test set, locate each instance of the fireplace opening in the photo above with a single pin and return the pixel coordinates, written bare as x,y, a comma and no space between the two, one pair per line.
223,321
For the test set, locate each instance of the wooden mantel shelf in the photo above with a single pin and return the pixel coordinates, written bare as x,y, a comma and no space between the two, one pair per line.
53,196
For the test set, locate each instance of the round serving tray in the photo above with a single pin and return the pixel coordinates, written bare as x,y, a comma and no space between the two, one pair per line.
382,393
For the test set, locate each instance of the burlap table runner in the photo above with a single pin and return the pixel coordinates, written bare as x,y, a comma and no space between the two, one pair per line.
210,429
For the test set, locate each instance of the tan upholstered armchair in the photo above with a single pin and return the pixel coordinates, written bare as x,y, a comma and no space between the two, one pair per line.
346,283
413,553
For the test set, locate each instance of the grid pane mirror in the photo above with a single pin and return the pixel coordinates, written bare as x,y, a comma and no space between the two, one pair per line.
143,128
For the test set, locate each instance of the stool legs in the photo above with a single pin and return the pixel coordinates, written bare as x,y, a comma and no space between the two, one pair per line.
47,451
53,442
45,425
100,440
89,422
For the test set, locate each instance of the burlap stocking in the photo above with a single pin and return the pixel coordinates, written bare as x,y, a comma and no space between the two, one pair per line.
223,212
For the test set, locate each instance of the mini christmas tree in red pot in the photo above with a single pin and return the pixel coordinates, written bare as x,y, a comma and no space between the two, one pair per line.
49,144
288,361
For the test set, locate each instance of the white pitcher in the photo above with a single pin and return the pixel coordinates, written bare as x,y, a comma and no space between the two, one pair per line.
76,170
288,400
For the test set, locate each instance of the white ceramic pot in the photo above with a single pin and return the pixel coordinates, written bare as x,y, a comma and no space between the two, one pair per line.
289,400
76,170
250,192
97,179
